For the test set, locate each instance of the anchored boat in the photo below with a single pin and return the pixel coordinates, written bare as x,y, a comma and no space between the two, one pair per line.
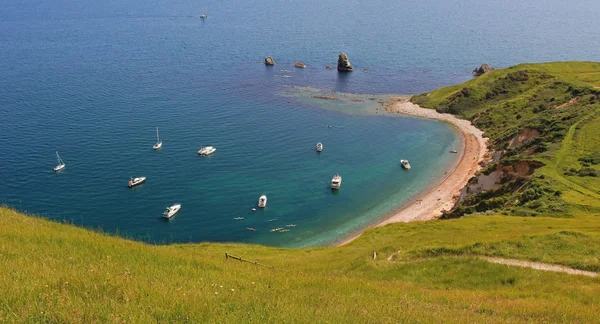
319,147
60,165
136,181
207,150
336,182
405,164
170,211
262,201
158,144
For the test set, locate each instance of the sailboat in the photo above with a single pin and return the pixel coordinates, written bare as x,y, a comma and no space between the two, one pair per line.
203,16
61,163
158,144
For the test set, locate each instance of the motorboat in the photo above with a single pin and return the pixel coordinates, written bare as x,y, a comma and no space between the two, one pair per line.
171,211
405,164
453,151
336,182
136,181
60,165
203,16
262,201
158,144
239,218
319,147
207,150
276,229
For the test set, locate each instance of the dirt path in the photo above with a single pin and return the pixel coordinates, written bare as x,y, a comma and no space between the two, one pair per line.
540,266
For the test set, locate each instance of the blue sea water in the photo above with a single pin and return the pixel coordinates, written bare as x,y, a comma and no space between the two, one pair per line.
92,79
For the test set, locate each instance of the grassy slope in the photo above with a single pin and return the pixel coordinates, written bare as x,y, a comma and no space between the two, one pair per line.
59,273
562,102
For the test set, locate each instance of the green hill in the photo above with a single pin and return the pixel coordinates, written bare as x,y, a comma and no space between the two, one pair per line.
430,272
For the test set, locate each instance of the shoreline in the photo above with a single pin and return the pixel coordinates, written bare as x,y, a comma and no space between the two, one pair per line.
444,194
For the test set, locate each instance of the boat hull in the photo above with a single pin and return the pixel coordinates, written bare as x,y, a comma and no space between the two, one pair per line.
171,212
262,202
136,183
157,146
204,152
59,167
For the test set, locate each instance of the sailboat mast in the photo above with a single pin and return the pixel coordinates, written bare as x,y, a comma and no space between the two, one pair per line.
157,138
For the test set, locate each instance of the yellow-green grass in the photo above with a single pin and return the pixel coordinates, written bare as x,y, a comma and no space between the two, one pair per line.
60,273
580,72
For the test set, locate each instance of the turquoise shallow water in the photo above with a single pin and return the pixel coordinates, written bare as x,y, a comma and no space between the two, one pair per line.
92,80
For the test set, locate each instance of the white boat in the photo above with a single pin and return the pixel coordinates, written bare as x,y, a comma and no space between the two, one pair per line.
207,150
203,16
136,181
170,211
336,182
60,165
405,164
453,151
158,144
262,201
319,147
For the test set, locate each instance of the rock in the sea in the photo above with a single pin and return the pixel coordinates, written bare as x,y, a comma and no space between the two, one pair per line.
482,69
344,63
269,61
300,65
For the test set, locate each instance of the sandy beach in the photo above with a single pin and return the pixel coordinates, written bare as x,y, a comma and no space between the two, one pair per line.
444,195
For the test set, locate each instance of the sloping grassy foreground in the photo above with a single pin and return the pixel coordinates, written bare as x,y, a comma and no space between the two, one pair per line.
54,272
429,272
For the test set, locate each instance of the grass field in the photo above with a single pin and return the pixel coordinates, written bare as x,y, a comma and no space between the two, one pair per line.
423,272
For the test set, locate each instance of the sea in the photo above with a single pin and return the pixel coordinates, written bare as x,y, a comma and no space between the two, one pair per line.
92,80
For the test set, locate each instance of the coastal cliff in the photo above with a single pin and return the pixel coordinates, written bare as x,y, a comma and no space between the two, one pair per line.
527,111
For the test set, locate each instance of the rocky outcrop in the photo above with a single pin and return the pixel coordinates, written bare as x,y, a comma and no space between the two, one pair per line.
482,69
300,65
344,63
269,61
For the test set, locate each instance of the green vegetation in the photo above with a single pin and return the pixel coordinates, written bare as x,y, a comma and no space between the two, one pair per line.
425,271
428,272
543,120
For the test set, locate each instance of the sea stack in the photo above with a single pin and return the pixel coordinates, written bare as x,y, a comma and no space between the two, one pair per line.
344,63
269,61
300,65
482,69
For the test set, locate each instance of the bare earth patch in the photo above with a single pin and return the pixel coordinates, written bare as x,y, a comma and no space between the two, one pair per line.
540,266
568,103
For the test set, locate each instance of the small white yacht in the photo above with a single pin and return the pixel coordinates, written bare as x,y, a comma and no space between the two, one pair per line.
136,181
207,150
262,201
336,182
158,144
405,164
60,165
319,147
203,16
170,211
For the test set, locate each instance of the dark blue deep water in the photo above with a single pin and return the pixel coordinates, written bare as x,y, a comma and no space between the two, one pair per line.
92,79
